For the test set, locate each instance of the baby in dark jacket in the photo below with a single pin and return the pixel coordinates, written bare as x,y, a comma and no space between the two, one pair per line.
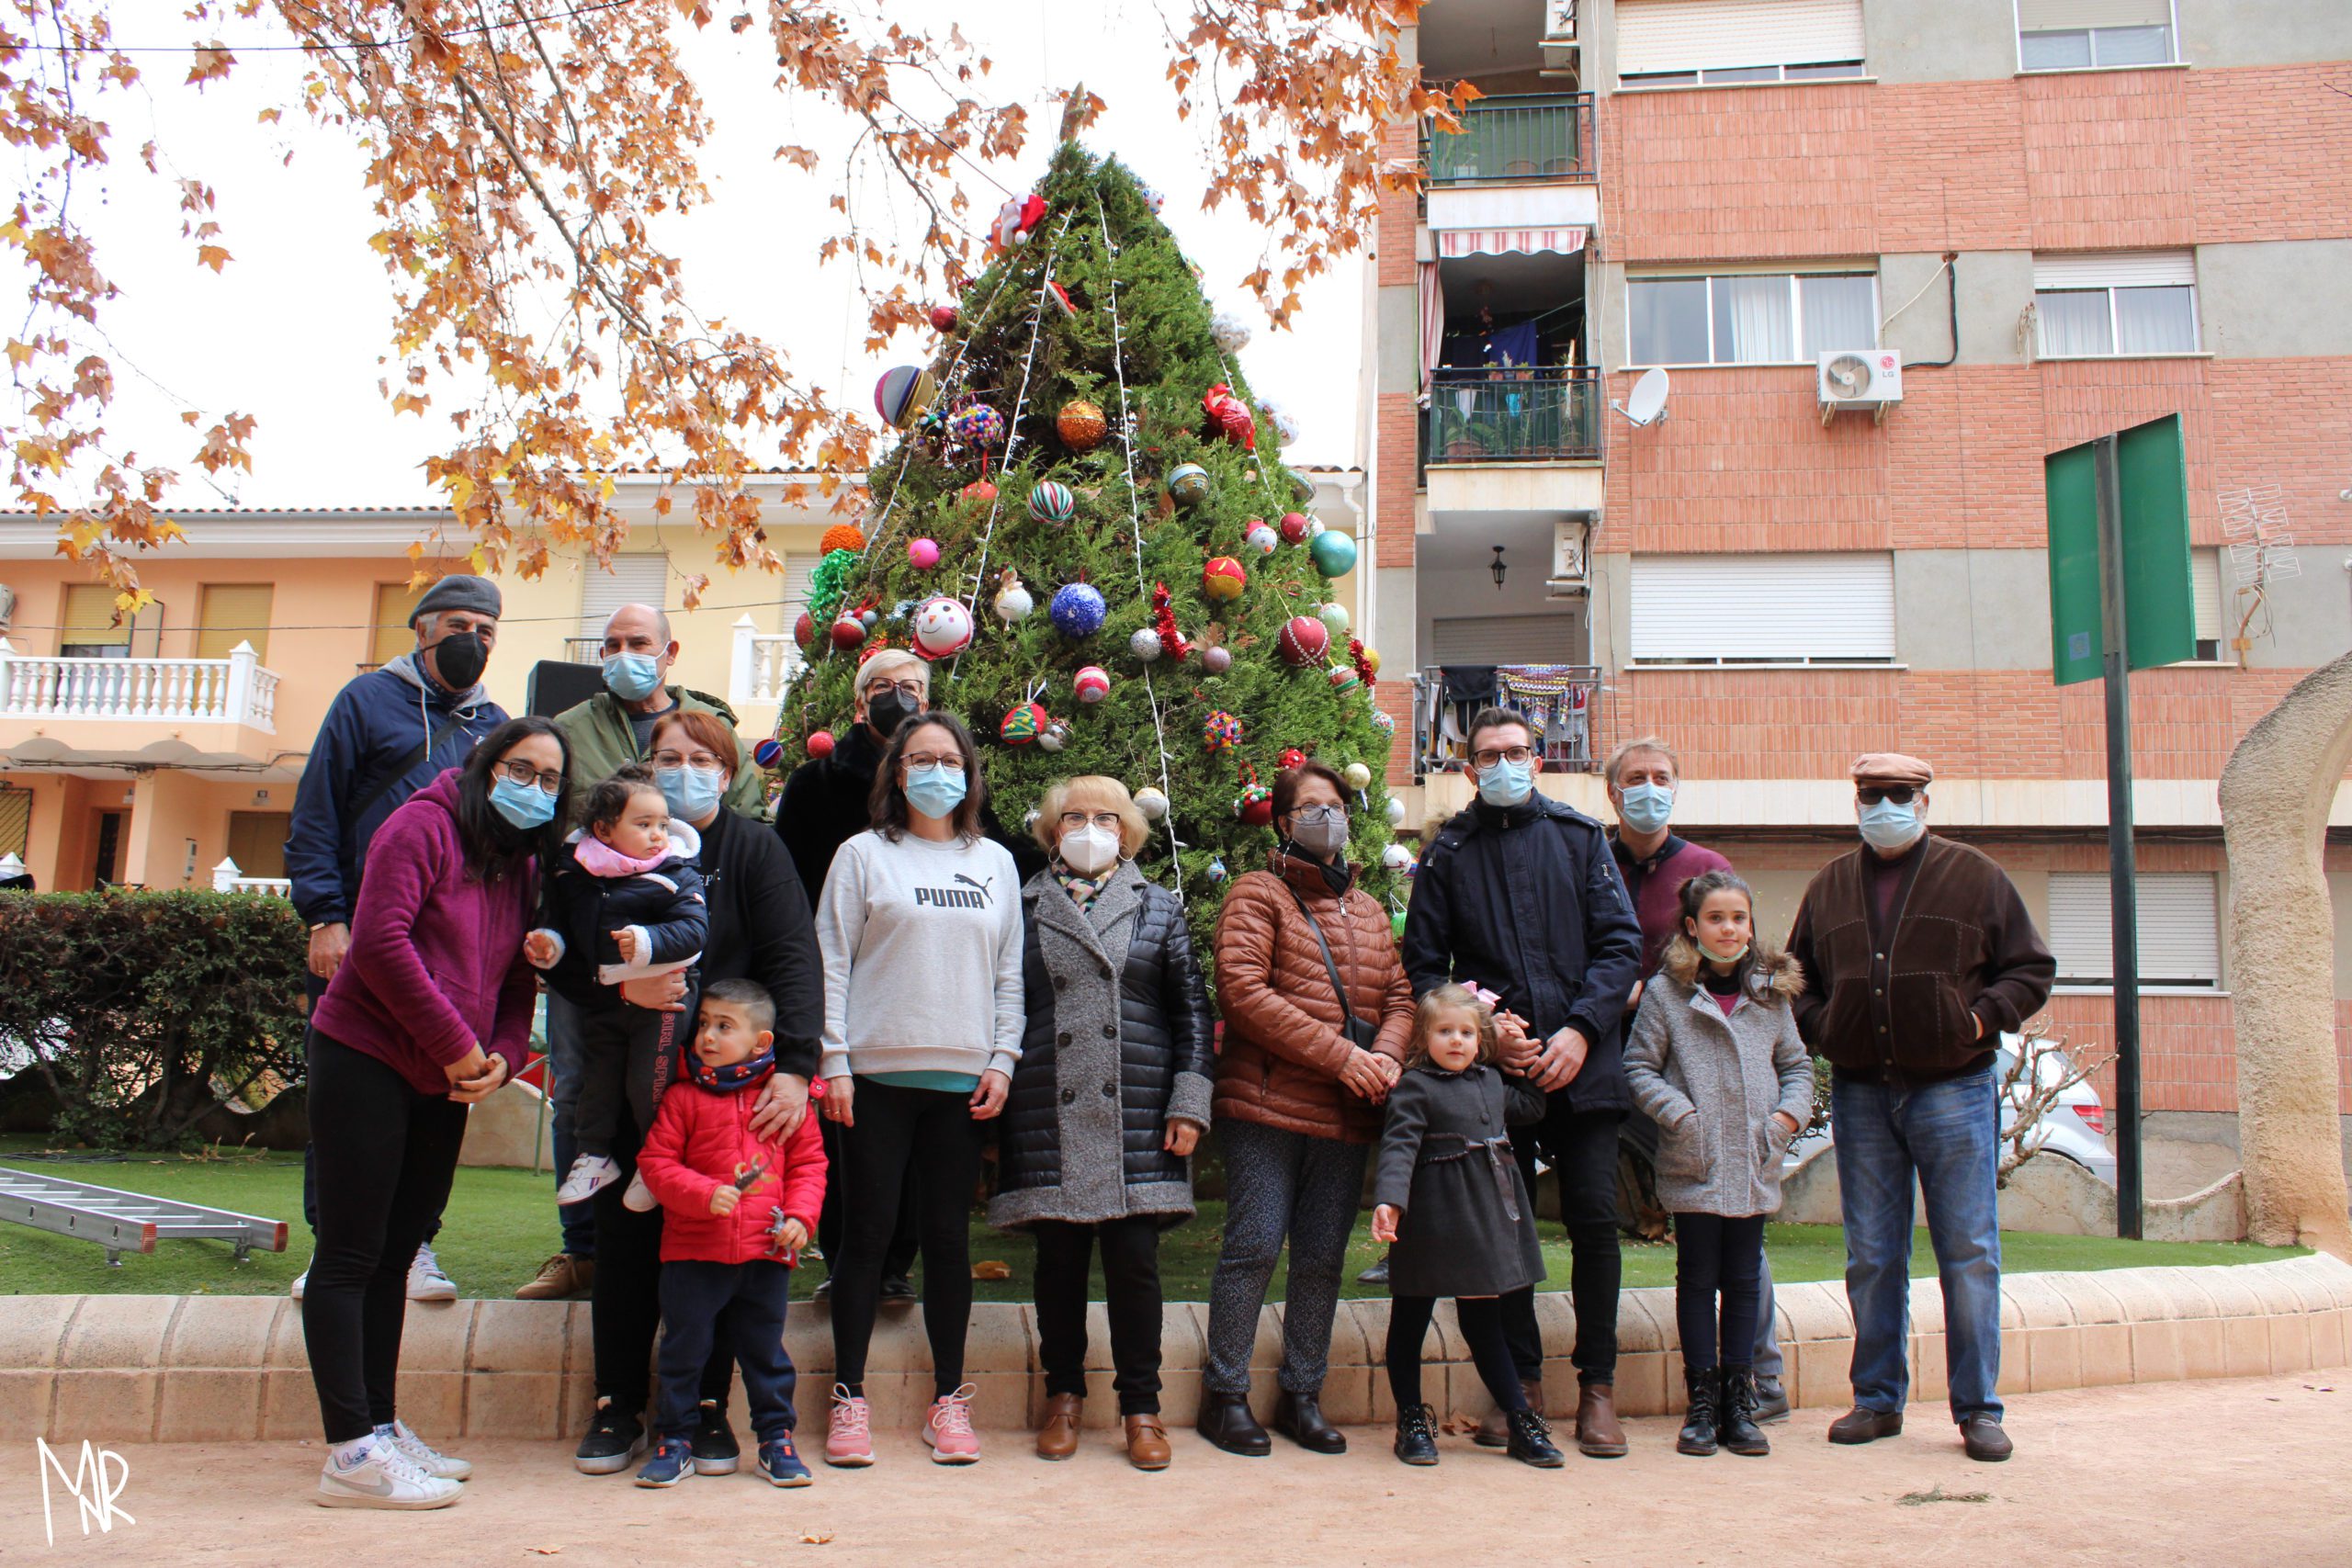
623,901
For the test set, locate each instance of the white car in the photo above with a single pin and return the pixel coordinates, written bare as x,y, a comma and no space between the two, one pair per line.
2075,1127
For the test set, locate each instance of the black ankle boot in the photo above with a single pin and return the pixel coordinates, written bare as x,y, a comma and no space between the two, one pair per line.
1417,1434
1226,1422
1736,1414
1698,1435
1299,1417
1531,1440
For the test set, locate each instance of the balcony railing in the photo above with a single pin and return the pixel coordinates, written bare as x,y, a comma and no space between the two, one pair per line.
1486,415
763,664
1533,136
1560,699
227,877
235,690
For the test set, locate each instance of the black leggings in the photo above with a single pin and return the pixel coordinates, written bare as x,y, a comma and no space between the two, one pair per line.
1712,1254
1131,1296
385,1157
896,1136
1482,1329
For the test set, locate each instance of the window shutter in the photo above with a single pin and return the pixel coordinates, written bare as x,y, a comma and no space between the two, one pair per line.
1709,35
2057,16
634,580
1507,639
2180,936
1764,608
2205,594
2116,269
797,570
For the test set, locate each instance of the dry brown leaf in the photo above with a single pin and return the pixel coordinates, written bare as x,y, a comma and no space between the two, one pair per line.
547,1550
815,1537
991,1268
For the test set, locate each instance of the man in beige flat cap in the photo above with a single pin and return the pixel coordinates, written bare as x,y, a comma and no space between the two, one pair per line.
1917,953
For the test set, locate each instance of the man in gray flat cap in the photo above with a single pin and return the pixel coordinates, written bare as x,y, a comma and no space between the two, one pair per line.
1917,953
389,733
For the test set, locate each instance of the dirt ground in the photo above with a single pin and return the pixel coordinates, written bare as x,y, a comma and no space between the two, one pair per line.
2245,1471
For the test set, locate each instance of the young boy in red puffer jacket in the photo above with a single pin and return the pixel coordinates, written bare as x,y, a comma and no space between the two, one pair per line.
737,1212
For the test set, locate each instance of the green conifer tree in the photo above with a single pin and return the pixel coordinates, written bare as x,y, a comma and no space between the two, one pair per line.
1136,337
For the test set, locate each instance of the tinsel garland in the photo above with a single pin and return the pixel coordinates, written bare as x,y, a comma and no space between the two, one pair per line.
826,583
1163,620
1363,665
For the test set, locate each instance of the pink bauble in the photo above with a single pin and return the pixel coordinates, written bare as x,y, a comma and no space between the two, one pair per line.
922,554
1216,659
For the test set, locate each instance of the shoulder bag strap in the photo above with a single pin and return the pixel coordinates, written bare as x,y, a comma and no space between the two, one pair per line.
400,769
1339,988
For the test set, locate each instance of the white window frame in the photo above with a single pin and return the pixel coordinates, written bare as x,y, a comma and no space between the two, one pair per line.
1742,76
1744,565
2115,349
2094,885
2172,41
1796,313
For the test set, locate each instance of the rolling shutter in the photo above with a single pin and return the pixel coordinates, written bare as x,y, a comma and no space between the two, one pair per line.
1713,35
2116,269
1507,639
2180,936
633,580
2059,16
797,570
1764,608
2205,594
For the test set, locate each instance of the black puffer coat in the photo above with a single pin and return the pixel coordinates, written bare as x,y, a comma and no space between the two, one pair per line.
1117,1044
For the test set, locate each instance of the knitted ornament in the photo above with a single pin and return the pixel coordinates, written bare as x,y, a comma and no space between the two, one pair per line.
1334,616
1294,527
1145,645
904,391
1091,684
1254,806
1228,331
1054,736
848,632
943,628
1221,731
1216,659
1022,725
922,554
1151,803
1396,812
1051,503
976,425
979,489
1231,416
1223,579
1261,538
1189,483
1292,757
1344,679
1081,426
842,537
1217,872
943,318
1333,552
1013,600
1359,777
820,745
1078,610
1303,640
804,630
768,753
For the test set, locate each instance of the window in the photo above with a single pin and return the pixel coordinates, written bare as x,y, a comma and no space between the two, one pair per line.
257,841
633,580
15,820
1783,608
1766,318
2078,35
395,602
88,628
230,612
2089,306
2205,599
1690,43
2179,921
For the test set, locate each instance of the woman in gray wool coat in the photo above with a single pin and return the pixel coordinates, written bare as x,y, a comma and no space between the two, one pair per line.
1715,1061
1108,1101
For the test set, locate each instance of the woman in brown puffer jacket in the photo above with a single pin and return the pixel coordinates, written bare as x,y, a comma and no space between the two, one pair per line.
1300,1079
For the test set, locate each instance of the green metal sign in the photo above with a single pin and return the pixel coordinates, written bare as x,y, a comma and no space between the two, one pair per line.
2159,617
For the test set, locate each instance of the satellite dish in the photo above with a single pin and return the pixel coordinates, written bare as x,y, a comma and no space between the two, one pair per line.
1645,404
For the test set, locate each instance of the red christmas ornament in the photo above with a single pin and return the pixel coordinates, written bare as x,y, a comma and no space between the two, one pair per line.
820,745
1231,416
1304,640
804,631
1291,758
979,490
943,318
1223,579
1294,527
848,632
1255,805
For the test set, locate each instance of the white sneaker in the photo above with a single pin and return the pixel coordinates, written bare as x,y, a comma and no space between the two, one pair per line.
301,1282
589,1175
640,1198
425,1281
423,1455
383,1477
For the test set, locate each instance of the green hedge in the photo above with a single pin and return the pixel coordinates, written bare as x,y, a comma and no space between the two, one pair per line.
145,1012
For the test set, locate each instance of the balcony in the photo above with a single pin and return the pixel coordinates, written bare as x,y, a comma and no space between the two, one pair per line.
1534,415
1515,139
1559,699
157,711
761,665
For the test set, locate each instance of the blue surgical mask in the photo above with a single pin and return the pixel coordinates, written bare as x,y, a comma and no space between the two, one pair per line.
524,805
691,794
935,791
1507,784
1889,827
1647,806
631,676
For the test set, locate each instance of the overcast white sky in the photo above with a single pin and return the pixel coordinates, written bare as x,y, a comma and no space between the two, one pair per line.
292,331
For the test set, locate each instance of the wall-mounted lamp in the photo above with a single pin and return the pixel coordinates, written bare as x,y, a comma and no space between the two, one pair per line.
1498,569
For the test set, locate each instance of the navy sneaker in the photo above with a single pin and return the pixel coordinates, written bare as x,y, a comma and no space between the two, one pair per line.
780,1462
716,1449
672,1461
612,1440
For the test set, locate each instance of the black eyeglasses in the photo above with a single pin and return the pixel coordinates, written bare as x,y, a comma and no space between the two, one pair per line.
1870,795
523,773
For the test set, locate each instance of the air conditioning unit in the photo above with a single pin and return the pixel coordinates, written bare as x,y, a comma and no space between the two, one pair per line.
1559,35
1570,577
1858,378
8,607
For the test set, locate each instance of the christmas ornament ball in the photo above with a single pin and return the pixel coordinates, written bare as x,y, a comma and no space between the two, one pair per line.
1054,736
1013,602
1302,488
1223,579
922,554
848,632
1076,610
1294,527
1396,812
1151,803
1344,678
1052,503
1091,684
1229,331
1261,538
804,630
1335,616
1291,758
943,628
820,745
904,391
943,318
768,752
1145,645
1189,483
976,425
1385,725
1217,872
1303,640
1081,426
1023,724
1221,731
1359,777
841,537
979,489
1255,805
1334,553
1396,857
869,618
1216,659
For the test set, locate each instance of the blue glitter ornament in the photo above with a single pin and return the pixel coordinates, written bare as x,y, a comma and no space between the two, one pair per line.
1076,610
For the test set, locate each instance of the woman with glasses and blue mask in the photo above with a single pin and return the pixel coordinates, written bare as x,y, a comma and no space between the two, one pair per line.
920,926
429,1012
1109,1098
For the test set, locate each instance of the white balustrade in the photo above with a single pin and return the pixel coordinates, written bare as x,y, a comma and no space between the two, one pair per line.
762,665
235,690
228,878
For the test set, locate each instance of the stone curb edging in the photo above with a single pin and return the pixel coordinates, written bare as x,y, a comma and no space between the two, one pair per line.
216,1368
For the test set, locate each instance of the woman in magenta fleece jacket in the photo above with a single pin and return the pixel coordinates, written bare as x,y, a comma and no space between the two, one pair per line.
430,1013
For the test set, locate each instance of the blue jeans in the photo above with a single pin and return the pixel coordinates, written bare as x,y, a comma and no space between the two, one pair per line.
698,1298
1948,1135
577,1221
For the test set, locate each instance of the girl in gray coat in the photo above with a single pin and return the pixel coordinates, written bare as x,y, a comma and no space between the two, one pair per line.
1716,1063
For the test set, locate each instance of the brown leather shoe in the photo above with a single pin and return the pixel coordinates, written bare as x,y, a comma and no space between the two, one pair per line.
562,1277
1494,1428
1147,1443
1982,1439
1862,1426
1058,1439
1598,1434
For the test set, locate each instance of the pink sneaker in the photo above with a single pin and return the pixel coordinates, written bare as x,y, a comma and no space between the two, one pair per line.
947,1428
849,1441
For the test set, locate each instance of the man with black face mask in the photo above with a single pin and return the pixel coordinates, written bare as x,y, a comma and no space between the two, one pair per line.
387,734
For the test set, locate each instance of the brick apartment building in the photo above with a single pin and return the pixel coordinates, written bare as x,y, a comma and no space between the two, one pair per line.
2061,217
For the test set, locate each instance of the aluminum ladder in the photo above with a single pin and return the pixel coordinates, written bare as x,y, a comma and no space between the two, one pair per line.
127,1222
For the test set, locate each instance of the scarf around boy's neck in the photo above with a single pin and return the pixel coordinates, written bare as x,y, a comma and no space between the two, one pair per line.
727,1080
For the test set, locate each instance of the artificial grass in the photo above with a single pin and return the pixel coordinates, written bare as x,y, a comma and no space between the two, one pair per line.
501,1225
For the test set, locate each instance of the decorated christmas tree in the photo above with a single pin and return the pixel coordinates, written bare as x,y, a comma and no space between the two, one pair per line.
1086,529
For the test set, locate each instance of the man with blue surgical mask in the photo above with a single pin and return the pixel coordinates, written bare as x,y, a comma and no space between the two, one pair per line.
1519,894
1917,953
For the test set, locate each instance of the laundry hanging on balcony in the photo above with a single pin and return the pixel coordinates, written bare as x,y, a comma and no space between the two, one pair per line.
1564,239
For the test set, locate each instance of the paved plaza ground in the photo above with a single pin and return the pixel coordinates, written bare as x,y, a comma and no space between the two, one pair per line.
2250,1471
